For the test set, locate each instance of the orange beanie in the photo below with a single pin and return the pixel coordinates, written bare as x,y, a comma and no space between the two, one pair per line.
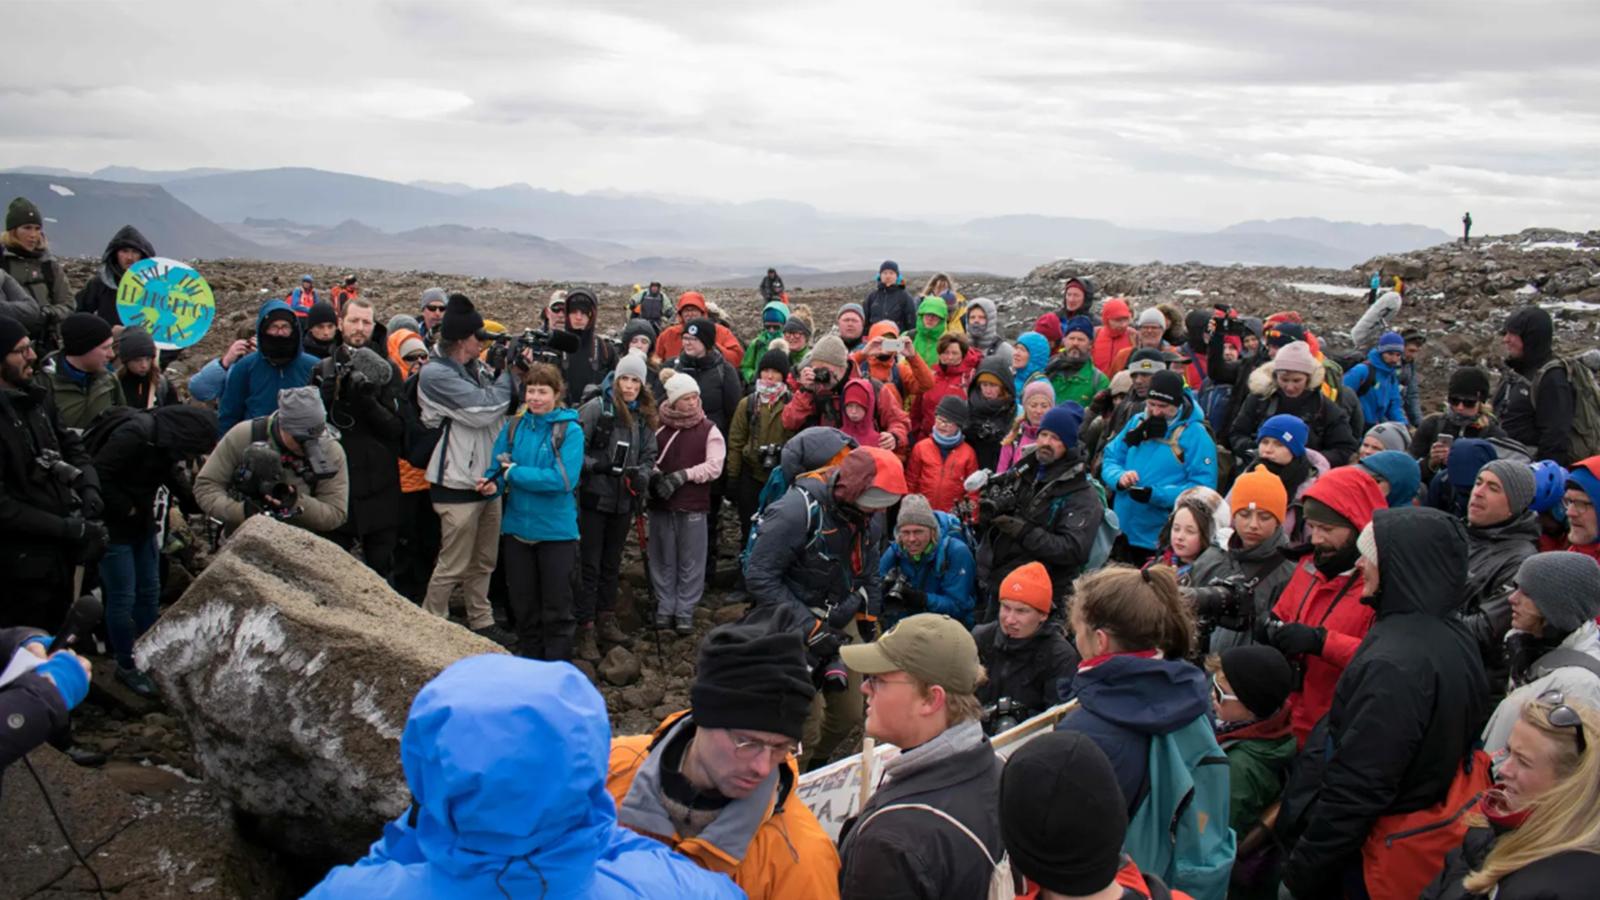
1029,584
1261,489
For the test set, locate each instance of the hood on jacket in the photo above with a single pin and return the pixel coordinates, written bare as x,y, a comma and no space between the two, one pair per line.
1194,327
990,326
1375,360
1115,308
1084,282
1422,561
932,305
1038,347
185,430
814,448
127,237
1467,456
859,391
1150,696
998,365
1537,330
690,300
1263,383
1350,492
637,328
273,306
776,306
475,736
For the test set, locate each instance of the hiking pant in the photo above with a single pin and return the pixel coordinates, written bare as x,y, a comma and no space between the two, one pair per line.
677,563
469,544
130,575
539,589
602,536
834,716
417,546
747,495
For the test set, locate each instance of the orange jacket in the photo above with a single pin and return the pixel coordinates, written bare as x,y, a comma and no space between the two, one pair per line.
412,478
789,857
670,342
939,477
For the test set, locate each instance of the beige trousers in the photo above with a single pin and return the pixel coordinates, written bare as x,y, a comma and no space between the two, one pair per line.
469,545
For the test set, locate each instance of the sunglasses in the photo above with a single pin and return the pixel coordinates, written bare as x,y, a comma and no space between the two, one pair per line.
416,357
433,308
1464,401
1563,716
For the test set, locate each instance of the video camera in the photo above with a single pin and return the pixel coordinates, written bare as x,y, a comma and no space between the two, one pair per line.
998,495
259,477
547,346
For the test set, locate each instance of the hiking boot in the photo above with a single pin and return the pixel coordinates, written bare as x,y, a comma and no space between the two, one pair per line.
609,632
684,628
138,682
586,647
497,634
663,623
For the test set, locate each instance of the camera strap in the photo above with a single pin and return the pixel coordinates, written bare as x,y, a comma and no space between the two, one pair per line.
1348,581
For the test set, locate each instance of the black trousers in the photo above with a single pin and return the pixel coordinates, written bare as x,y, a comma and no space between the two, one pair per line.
377,551
416,546
747,494
601,538
539,592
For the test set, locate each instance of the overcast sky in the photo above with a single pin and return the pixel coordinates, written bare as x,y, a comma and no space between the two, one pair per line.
1176,113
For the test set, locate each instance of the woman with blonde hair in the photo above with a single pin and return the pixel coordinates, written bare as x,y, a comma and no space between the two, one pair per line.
1536,833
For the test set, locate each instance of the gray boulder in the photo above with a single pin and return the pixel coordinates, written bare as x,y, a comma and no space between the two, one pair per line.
294,666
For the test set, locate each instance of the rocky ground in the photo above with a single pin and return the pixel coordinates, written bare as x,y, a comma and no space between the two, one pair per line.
1457,295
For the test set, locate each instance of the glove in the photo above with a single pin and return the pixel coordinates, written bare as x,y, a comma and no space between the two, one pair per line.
1010,526
90,537
824,643
1140,493
868,629
1299,639
841,614
358,384
916,601
94,506
666,485
835,677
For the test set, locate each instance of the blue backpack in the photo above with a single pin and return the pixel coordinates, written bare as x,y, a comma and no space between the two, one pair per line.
1180,831
1213,400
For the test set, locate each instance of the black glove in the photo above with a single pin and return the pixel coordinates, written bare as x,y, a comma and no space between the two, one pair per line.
916,601
1299,639
868,629
835,677
94,506
497,356
91,539
1010,526
663,487
358,384
824,643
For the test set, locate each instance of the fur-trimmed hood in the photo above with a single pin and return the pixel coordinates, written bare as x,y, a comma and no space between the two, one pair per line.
1263,384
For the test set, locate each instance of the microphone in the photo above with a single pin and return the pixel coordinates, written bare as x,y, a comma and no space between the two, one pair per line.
84,615
977,480
565,341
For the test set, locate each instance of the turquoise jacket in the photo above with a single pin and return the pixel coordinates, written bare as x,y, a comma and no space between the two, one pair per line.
539,485
1159,468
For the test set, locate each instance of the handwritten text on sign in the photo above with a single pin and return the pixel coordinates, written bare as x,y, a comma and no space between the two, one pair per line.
168,299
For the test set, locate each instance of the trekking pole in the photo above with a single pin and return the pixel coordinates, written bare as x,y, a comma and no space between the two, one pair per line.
644,554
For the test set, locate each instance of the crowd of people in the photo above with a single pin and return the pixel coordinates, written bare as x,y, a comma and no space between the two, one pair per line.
1317,640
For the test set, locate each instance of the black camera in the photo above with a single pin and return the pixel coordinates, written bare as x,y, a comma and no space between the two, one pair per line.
896,588
62,471
1003,715
541,346
1000,497
770,455
1297,664
260,475
822,377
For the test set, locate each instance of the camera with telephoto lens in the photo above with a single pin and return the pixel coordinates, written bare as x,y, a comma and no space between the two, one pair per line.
49,459
1000,497
1236,611
260,475
1003,715
539,344
770,455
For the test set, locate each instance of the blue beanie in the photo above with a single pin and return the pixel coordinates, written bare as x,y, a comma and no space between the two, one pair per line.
1400,471
891,265
1467,456
1550,482
1063,421
1287,430
1391,342
1082,324
774,313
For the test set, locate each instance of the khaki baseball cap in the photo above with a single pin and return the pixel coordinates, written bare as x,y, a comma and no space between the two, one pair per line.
935,648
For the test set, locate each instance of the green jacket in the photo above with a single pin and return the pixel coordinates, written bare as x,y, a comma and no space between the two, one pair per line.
752,354
80,402
43,276
745,439
1080,386
1258,760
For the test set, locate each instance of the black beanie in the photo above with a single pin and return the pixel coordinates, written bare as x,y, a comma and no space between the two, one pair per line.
703,330
22,211
82,332
1062,816
954,408
1167,387
135,343
775,359
1469,381
321,313
1259,676
11,334
461,319
754,679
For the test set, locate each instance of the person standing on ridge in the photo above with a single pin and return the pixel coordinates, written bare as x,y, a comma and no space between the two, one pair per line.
1466,228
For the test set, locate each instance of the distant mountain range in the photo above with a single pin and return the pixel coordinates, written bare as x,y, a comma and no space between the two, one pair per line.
518,231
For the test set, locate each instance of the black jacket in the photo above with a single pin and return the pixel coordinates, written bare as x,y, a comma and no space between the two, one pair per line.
588,365
1406,712
1064,513
1484,427
793,564
30,705
1493,556
720,390
33,505
142,452
1327,423
1535,409
1027,671
894,304
914,853
372,432
989,420
1564,876
99,294
603,434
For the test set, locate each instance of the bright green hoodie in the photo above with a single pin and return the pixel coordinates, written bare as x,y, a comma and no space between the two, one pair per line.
927,339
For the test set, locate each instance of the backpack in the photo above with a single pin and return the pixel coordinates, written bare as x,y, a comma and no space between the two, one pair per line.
1368,381
813,517
1104,536
1564,658
1180,831
1002,883
1213,401
100,430
1585,404
558,435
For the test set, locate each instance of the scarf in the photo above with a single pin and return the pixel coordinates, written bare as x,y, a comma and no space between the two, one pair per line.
1292,474
768,393
672,417
946,444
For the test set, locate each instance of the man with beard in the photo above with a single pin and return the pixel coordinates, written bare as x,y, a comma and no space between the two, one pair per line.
48,514
361,390
1535,399
1071,372
1052,515
278,363
595,357
1161,453
1319,620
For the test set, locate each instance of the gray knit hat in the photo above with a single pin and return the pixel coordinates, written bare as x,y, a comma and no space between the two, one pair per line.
1565,586
915,510
831,350
1517,480
1392,435
633,365
301,414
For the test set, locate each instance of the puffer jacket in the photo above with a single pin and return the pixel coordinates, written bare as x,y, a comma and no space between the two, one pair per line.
1575,682
603,431
1030,671
540,481
34,507
804,568
1330,600
692,305
1383,400
471,405
1563,876
755,425
948,381
1168,467
891,304
1108,344
1265,566
41,275
252,384
31,705
720,390
1328,424
480,827
1494,553
1406,713
99,293
946,573
769,842
938,475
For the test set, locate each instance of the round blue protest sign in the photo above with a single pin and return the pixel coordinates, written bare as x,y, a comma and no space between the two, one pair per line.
168,299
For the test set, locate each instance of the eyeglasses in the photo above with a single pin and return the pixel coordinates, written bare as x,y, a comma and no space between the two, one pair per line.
873,682
1464,401
432,308
1563,716
749,749
1577,504
1218,694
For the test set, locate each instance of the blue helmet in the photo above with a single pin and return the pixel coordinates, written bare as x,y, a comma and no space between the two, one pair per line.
1550,483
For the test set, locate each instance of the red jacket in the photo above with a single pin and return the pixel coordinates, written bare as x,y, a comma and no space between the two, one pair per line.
1108,345
947,382
889,416
938,476
1333,603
